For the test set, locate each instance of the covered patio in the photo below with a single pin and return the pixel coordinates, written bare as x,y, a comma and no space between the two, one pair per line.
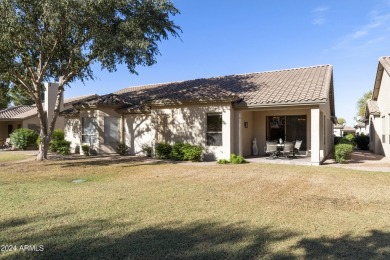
311,125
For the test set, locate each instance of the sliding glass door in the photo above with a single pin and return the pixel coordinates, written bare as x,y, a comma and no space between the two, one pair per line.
288,128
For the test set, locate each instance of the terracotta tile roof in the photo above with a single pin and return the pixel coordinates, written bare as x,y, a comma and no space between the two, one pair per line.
338,126
383,65
385,61
372,107
15,112
70,101
291,86
349,129
299,85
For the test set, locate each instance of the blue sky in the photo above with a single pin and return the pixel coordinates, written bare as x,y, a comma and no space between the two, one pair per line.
234,37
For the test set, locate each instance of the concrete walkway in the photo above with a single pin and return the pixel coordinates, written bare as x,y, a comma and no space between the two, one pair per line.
364,161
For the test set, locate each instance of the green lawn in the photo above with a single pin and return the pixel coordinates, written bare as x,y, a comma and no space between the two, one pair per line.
130,208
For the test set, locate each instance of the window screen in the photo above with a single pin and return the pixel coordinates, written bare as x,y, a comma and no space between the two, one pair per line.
89,130
214,129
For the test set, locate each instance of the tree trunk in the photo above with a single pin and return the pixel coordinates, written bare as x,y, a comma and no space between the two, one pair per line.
43,148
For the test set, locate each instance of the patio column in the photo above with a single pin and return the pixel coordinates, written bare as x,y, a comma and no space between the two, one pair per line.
240,134
315,136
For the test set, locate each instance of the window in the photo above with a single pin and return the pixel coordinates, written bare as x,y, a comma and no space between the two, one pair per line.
288,128
214,129
34,127
383,129
89,130
111,132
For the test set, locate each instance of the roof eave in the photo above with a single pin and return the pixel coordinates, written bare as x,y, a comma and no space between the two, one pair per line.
285,104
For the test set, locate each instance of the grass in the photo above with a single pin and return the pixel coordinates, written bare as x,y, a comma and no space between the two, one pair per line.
13,156
130,208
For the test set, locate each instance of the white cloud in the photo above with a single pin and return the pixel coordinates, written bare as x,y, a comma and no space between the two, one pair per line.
367,33
319,15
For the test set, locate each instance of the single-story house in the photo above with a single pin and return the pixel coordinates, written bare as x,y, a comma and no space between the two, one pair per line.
377,113
223,114
340,130
26,116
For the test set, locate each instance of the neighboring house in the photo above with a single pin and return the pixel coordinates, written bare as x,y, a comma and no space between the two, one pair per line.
340,130
378,110
223,114
27,116
360,127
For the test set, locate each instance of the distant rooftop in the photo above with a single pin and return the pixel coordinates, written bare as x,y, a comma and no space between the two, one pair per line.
26,111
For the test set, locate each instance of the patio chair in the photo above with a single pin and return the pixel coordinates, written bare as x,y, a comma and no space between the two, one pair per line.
297,146
288,149
271,149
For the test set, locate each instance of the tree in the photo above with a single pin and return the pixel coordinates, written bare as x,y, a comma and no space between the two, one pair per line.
19,96
45,40
341,121
361,103
5,99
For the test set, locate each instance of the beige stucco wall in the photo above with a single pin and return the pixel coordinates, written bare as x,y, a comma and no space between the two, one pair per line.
164,124
384,108
31,121
104,146
72,132
326,137
138,132
189,124
376,145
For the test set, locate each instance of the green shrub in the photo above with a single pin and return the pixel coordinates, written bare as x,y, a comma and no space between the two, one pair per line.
177,153
147,149
22,138
343,152
223,161
58,135
192,152
237,159
345,141
63,147
122,149
85,149
362,141
57,142
350,137
163,151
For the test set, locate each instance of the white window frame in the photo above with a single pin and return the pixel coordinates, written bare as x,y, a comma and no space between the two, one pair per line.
89,135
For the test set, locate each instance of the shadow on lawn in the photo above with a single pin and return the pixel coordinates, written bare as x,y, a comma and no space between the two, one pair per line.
169,240
198,240
108,160
374,246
